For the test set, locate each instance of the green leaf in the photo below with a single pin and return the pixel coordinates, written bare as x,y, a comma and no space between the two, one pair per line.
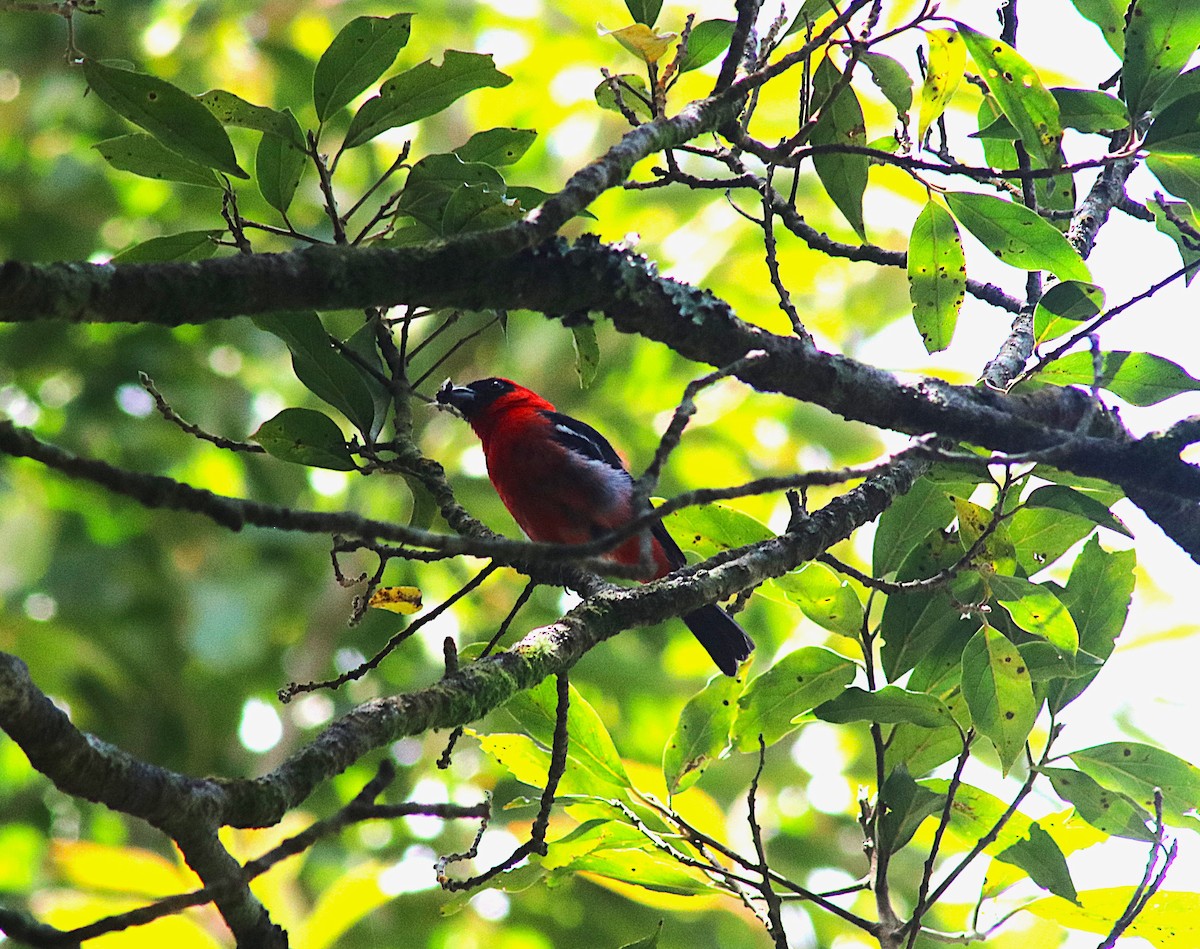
1189,247
591,750
908,522
143,155
796,683
1136,770
306,438
1036,610
917,623
1109,15
644,11
1040,857
358,55
1017,235
231,109
652,870
1138,378
1169,920
1019,91
826,599
322,369
1176,129
890,705
1179,174
649,942
502,146
1098,594
946,63
587,352
529,198
997,549
1064,306
168,113
937,276
1161,37
476,208
422,91
893,81
701,735
278,166
1046,662
1088,110
707,529
1062,498
708,40
906,805
999,693
188,245
637,101
840,123
1041,535
433,182
1110,811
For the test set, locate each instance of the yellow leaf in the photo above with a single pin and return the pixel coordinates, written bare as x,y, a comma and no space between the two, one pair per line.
947,60
68,909
132,870
396,599
1171,920
642,41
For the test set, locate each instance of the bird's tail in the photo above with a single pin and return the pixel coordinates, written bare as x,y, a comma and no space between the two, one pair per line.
721,636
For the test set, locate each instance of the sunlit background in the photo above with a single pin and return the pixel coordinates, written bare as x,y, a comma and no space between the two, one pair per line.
167,637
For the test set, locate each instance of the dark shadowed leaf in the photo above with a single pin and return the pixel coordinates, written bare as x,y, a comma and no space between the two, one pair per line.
144,155
496,147
358,55
422,91
306,438
168,113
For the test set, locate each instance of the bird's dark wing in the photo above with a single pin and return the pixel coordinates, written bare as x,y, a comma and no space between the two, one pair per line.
580,437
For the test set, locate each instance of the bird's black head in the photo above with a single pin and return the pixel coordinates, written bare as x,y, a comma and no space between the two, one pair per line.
474,397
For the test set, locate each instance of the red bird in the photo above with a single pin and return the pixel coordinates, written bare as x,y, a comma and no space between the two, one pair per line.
564,483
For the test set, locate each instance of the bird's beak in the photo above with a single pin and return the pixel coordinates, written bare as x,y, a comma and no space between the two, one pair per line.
458,397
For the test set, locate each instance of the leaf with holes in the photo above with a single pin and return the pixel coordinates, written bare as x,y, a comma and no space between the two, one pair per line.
937,276
305,437
422,91
1110,811
1017,235
495,147
999,693
796,683
946,62
358,55
168,113
1019,91
1137,770
701,735
1036,610
1161,37
826,599
233,110
144,155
